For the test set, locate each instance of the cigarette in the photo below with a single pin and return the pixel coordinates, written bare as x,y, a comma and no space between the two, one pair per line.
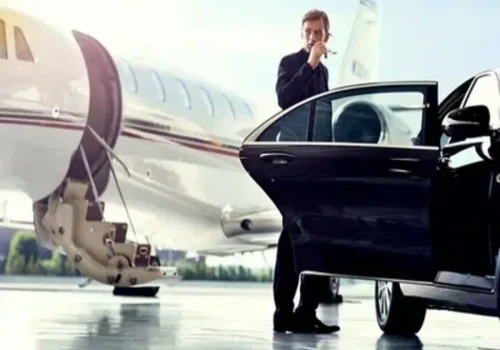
330,52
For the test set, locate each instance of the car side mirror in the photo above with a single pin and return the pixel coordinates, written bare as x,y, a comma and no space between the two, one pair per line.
472,121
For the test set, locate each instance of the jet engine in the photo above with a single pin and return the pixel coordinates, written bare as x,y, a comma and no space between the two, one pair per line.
369,122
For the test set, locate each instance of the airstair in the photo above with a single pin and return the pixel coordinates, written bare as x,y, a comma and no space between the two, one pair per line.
97,248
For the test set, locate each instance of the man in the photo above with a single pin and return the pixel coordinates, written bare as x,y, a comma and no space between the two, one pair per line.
300,75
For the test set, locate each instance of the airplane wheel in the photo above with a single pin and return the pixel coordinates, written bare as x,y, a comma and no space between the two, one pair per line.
329,291
396,313
335,287
146,291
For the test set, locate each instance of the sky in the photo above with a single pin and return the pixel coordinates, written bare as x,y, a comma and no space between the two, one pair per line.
238,44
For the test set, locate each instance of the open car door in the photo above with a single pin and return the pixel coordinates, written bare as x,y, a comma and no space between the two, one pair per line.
351,172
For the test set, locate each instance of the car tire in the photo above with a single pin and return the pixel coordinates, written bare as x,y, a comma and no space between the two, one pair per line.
397,314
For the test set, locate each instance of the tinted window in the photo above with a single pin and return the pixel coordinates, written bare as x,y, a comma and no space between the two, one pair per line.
160,89
185,94
291,128
3,40
444,139
393,118
208,101
23,52
486,92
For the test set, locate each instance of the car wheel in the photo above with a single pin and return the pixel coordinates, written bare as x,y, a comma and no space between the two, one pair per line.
396,313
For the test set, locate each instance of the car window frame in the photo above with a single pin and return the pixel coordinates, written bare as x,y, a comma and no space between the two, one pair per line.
365,89
477,78
452,101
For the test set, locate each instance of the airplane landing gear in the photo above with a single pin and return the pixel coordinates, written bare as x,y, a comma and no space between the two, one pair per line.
147,292
98,248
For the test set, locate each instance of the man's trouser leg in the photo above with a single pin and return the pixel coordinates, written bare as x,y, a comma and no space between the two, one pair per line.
286,279
311,288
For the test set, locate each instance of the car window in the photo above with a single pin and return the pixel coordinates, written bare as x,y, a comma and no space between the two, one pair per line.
444,139
485,91
291,128
393,118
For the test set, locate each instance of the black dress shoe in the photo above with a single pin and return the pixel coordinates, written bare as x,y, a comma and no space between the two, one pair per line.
283,321
307,322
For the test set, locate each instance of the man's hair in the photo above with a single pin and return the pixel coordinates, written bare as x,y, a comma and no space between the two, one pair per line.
315,14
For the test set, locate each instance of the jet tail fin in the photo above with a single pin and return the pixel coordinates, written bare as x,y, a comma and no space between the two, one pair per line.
361,58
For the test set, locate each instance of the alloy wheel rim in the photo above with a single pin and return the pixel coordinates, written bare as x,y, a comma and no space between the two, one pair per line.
334,285
384,299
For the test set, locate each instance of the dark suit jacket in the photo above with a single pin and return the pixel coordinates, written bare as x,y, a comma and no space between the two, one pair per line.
294,78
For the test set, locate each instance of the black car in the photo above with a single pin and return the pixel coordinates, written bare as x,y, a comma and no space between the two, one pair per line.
379,181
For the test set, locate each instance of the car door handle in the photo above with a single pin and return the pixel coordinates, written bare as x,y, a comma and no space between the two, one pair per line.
277,157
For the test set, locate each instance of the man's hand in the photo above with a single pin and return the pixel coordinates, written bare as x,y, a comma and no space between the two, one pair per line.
319,49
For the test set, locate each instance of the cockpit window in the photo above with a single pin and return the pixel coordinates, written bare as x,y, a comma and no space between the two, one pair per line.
3,41
23,52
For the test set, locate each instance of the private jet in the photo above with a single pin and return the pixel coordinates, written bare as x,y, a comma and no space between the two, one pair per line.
112,153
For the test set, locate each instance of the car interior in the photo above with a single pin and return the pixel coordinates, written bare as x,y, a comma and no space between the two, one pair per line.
358,123
468,240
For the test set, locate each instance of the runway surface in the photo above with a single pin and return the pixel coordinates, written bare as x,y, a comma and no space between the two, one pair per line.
58,315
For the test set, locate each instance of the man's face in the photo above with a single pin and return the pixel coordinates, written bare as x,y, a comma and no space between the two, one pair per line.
312,32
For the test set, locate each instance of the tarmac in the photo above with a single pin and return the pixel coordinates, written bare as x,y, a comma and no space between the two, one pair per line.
56,314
